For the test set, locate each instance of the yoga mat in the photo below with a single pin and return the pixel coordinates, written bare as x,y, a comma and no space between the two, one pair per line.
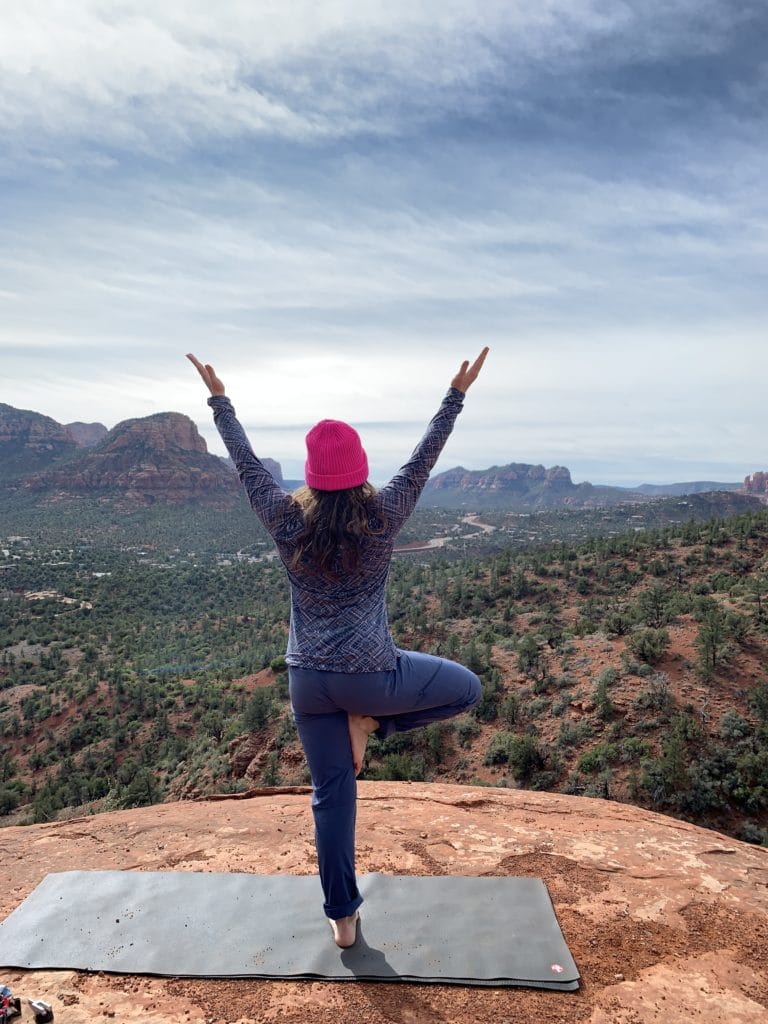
449,929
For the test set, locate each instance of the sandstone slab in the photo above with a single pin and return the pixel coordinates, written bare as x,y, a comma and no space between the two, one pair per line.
666,921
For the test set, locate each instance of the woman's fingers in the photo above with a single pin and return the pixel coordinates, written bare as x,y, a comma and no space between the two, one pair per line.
468,374
198,366
478,364
208,374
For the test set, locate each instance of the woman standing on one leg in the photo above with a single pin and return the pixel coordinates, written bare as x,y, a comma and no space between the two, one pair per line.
347,679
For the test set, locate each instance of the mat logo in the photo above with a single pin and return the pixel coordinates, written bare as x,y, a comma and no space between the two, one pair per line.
557,968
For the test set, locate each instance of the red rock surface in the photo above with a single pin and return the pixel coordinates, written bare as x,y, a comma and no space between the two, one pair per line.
667,921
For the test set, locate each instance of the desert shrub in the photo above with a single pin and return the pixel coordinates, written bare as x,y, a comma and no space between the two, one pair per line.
286,732
398,768
733,726
9,800
603,703
653,606
521,753
656,695
536,708
648,645
466,730
758,701
598,758
487,708
572,734
530,658
497,751
575,784
509,710
270,776
751,832
633,748
600,788
618,620
436,740
608,676
259,710
525,758
561,705
750,786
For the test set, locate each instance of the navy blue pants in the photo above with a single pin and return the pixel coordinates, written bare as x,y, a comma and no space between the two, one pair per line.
421,689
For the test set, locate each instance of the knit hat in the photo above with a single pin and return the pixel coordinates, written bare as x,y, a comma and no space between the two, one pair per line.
335,457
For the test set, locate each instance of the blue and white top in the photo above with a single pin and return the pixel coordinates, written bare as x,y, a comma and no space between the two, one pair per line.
339,623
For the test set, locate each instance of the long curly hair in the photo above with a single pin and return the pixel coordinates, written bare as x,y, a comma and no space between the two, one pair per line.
335,525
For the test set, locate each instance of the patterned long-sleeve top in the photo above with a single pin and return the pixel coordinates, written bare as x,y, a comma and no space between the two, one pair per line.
338,623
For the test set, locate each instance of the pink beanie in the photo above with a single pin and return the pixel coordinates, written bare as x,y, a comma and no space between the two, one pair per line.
335,457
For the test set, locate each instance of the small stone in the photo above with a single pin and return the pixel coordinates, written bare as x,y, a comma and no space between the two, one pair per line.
618,977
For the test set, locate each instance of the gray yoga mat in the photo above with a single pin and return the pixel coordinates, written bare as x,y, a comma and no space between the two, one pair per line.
475,931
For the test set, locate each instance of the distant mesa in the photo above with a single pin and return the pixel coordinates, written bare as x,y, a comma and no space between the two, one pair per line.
163,458
521,486
155,458
518,485
29,442
691,487
86,434
159,458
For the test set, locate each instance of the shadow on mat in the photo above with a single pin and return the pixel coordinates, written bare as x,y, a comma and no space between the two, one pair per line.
366,961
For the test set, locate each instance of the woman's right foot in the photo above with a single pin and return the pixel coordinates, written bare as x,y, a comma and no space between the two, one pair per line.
344,930
360,728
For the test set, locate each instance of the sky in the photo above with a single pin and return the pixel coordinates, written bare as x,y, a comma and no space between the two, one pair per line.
336,202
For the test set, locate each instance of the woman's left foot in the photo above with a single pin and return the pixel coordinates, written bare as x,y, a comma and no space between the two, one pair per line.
360,728
344,930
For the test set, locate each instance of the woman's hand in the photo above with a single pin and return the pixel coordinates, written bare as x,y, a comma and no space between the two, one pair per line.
468,374
208,374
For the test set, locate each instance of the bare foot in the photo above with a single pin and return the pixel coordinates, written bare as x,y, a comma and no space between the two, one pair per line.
345,930
360,728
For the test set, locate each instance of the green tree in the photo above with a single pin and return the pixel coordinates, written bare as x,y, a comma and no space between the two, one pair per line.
711,639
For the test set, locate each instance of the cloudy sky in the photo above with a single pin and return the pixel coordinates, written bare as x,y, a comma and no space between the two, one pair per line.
335,201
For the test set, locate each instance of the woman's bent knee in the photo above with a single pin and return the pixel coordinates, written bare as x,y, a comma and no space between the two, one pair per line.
475,690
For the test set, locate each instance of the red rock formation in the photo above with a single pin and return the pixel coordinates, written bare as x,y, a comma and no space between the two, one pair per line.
159,457
756,484
30,441
517,476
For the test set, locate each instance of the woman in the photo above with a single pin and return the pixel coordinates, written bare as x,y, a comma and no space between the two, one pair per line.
346,677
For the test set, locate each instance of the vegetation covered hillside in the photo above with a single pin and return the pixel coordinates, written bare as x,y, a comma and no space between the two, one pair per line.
633,667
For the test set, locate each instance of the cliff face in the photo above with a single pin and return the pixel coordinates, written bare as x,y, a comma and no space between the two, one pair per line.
155,458
29,442
517,476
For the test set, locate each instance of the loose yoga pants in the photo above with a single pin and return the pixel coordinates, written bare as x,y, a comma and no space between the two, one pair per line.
421,689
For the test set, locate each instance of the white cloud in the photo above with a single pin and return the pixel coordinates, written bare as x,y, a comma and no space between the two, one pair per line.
154,78
348,198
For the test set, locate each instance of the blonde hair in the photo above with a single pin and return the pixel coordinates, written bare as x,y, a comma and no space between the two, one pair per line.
335,524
